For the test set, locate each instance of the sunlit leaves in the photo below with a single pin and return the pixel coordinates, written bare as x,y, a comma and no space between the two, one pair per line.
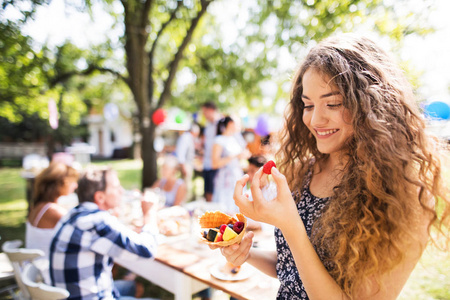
21,76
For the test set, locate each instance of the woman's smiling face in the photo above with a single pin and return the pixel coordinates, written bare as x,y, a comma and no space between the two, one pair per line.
324,113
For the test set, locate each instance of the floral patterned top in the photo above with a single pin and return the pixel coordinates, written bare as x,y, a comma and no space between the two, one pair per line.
309,208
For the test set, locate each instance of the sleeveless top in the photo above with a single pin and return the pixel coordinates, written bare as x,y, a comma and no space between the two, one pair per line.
40,238
170,195
309,208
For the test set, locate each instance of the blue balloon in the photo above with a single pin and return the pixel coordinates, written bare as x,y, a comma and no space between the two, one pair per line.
438,110
262,125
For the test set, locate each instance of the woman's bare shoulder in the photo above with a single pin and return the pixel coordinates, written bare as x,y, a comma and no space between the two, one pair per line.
53,214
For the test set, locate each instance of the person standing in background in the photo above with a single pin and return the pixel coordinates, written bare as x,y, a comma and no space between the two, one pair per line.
209,110
185,153
226,155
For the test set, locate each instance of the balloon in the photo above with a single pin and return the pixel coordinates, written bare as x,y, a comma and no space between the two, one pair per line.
179,118
110,111
159,116
53,114
262,125
438,110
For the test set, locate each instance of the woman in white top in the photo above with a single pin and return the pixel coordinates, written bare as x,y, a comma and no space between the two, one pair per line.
226,153
55,181
171,186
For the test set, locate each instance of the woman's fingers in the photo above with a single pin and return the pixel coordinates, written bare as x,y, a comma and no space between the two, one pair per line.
256,185
238,253
241,200
239,187
280,180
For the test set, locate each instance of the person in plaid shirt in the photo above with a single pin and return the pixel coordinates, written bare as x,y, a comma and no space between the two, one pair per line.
89,238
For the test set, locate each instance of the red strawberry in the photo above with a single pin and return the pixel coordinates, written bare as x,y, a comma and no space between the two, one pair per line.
267,168
222,228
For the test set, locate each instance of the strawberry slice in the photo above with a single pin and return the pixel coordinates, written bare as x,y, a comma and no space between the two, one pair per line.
267,168
222,228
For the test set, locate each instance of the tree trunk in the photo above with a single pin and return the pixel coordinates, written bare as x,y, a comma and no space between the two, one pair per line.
140,69
149,171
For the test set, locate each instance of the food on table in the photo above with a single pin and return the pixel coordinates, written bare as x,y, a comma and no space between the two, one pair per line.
220,228
173,220
267,168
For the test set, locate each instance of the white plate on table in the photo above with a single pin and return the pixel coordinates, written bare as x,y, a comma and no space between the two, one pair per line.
245,272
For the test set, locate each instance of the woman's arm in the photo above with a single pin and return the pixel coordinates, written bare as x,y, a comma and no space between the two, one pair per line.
217,160
181,194
317,281
264,260
282,212
156,184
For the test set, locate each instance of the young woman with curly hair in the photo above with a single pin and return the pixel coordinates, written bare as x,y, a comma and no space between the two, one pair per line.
356,165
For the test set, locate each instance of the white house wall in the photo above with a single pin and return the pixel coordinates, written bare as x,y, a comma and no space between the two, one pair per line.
121,128
123,132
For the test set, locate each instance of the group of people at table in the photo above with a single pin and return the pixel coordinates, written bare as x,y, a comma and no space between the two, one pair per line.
357,182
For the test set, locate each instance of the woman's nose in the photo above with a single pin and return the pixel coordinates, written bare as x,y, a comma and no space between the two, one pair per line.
319,117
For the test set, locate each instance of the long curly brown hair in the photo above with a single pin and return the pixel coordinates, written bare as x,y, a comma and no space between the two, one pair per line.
366,227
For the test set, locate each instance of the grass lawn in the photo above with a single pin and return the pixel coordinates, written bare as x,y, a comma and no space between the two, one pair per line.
429,280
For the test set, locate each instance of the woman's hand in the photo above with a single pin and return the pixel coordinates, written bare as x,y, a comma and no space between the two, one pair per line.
237,254
278,211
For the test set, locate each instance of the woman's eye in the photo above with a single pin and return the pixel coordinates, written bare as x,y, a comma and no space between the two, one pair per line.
308,107
335,105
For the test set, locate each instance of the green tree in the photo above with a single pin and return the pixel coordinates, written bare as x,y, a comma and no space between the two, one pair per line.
234,73
161,37
25,90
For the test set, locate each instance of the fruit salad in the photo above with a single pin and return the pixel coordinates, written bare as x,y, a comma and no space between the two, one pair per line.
221,229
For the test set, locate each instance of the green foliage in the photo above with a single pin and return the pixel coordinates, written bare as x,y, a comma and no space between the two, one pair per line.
32,128
21,75
231,74
29,79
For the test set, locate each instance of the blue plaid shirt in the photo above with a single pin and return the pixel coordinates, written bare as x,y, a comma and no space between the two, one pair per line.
83,249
